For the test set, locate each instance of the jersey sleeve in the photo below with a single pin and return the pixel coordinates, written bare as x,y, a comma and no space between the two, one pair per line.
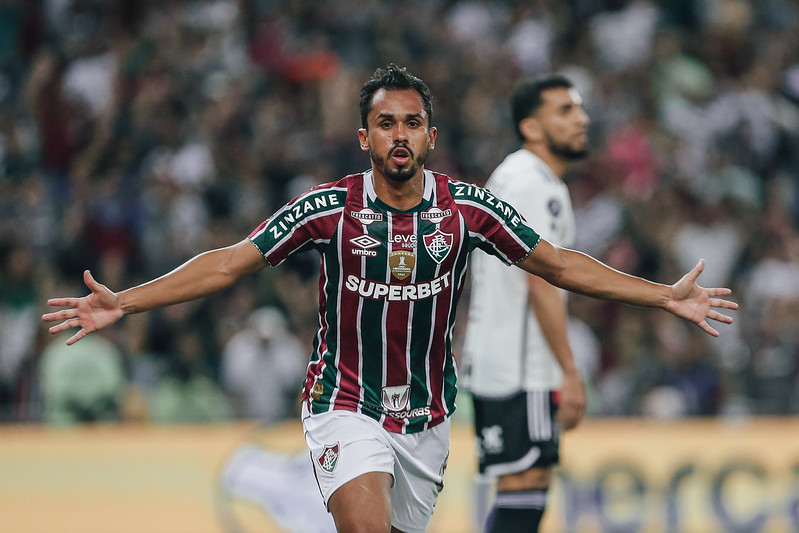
308,221
494,225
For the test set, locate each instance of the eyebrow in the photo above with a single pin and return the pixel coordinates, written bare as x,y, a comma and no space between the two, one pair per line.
417,116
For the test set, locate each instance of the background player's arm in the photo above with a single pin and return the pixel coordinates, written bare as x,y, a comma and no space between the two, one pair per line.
550,311
581,273
202,275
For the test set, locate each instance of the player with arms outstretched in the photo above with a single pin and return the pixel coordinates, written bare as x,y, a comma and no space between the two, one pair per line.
394,243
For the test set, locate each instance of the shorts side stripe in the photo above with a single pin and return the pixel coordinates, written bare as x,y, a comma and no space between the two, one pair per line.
539,416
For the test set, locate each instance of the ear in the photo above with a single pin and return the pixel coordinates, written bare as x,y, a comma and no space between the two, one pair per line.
363,137
530,129
432,135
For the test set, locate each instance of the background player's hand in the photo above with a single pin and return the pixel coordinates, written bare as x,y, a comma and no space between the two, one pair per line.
92,312
571,409
695,303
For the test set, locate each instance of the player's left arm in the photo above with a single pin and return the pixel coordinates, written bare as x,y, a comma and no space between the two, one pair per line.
581,273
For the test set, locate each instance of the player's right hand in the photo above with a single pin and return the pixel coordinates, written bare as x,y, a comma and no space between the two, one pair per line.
90,313
571,409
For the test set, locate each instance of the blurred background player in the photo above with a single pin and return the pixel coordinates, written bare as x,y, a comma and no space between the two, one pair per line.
520,367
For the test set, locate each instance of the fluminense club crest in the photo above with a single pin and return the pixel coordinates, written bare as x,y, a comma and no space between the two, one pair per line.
438,244
329,458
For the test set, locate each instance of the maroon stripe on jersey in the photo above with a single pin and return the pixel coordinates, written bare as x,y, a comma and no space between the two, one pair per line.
349,393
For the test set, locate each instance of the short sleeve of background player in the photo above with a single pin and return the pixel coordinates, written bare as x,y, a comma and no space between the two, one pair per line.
308,221
530,197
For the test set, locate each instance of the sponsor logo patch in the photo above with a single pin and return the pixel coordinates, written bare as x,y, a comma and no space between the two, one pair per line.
364,243
396,398
367,216
397,293
438,244
435,214
404,241
396,401
401,263
328,459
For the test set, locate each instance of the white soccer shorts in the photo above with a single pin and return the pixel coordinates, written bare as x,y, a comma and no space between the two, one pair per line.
345,445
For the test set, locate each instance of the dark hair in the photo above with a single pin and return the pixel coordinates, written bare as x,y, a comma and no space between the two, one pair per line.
527,98
394,78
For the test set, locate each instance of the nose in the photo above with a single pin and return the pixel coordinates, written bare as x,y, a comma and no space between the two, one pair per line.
400,134
582,117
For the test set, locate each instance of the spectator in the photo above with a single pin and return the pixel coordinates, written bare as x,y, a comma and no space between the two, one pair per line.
261,367
83,385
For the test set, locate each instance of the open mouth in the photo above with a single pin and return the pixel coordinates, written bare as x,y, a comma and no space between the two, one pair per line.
400,156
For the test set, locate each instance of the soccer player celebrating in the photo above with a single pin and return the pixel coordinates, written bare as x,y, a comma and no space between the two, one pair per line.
394,243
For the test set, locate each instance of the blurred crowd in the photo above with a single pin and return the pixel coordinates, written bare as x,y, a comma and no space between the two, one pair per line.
137,133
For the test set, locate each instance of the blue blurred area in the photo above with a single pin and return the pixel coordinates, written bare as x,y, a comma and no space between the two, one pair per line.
135,134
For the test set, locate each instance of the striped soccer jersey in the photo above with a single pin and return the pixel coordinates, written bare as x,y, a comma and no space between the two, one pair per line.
388,290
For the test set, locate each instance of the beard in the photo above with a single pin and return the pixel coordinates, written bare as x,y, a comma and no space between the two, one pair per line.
565,150
399,174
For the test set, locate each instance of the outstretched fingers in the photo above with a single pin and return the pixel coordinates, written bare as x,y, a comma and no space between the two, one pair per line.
724,304
707,329
694,273
719,317
63,314
77,336
62,302
90,282
719,291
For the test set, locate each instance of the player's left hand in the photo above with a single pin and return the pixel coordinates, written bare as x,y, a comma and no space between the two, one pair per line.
692,302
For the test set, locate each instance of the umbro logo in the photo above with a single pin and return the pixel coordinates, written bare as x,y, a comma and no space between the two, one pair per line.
364,243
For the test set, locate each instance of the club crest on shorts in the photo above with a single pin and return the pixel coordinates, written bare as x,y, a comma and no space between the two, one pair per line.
401,263
328,459
396,398
438,244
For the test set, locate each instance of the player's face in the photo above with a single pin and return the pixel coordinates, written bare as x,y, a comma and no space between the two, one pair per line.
399,137
564,123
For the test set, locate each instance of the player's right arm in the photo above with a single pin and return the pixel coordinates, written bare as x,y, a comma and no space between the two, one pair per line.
551,313
205,274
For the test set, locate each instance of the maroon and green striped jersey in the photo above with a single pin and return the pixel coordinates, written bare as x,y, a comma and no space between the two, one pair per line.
388,290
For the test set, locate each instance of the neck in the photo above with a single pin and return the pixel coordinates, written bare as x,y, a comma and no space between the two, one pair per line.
401,195
556,164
